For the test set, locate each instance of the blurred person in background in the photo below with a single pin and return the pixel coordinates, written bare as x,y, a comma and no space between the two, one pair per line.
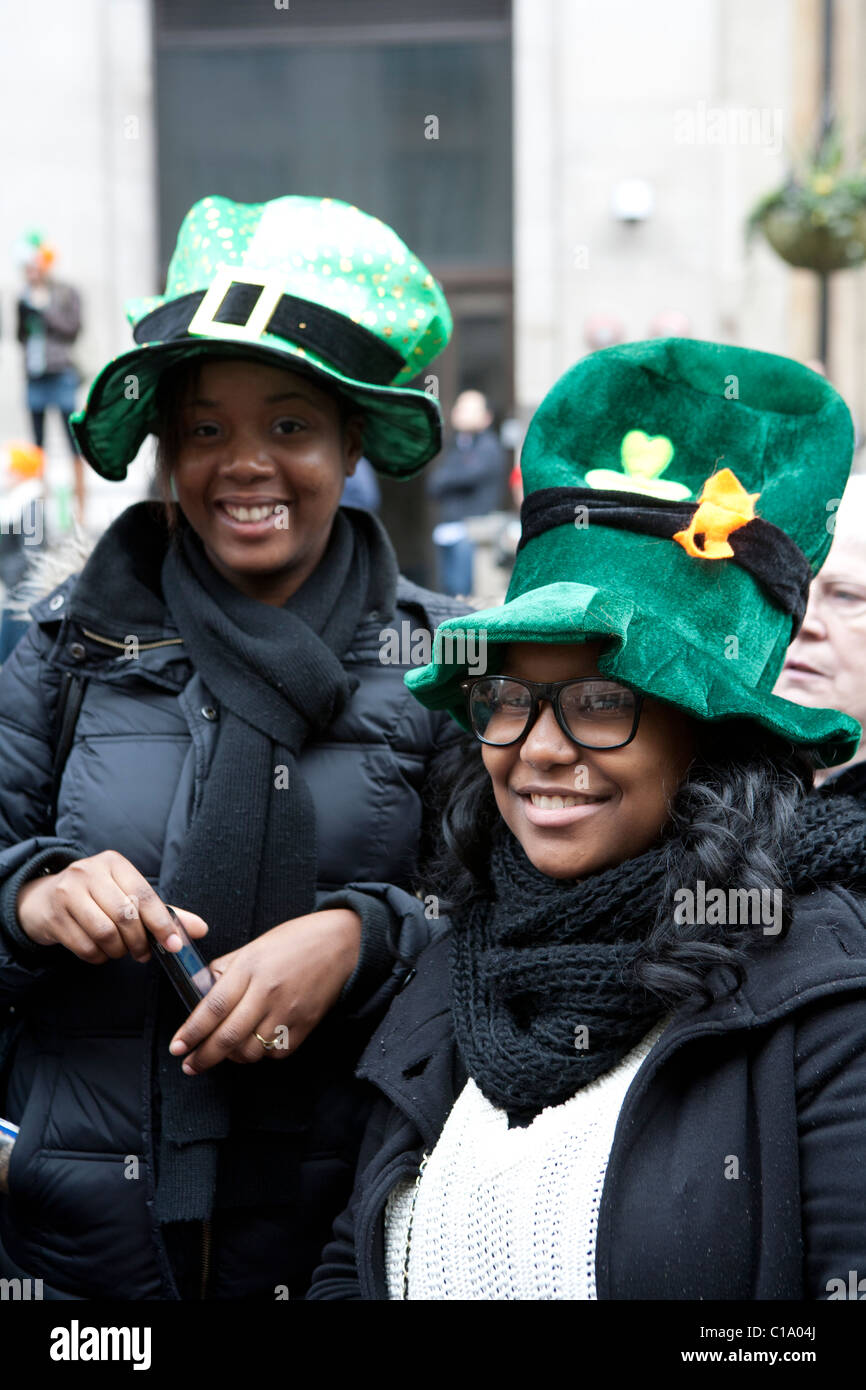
826,662
361,488
603,330
49,322
467,482
670,323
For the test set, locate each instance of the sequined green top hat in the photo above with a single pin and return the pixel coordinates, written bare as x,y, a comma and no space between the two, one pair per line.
679,497
313,284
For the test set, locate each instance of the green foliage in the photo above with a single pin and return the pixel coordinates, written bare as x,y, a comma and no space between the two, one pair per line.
821,192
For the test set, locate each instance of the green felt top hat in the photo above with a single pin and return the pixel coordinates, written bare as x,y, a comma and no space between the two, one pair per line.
679,496
312,284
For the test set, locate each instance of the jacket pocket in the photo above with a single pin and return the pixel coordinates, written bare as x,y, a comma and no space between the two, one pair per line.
82,1224
31,1126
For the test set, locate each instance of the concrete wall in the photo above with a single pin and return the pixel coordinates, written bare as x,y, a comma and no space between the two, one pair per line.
77,162
848,289
705,100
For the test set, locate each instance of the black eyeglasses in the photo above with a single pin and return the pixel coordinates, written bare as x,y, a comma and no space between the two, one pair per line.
591,711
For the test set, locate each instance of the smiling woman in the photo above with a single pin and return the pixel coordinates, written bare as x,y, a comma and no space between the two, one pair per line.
256,458
581,1069
613,797
241,753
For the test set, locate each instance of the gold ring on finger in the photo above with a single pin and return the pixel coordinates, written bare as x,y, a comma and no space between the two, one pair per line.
266,1043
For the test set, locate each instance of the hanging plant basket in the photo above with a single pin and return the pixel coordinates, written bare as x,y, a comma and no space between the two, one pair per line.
817,220
804,241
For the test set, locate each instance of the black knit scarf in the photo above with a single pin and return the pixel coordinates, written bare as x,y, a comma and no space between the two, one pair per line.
538,961
250,858
535,961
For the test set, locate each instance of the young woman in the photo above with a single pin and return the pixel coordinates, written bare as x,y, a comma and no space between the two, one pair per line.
240,751
636,1068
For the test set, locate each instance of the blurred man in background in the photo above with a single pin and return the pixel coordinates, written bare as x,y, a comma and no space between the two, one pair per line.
826,662
49,321
468,482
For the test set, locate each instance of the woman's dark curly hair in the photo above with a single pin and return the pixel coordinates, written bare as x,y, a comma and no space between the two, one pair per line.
729,822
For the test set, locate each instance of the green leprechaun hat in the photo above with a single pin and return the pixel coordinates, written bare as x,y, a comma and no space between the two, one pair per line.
313,284
678,497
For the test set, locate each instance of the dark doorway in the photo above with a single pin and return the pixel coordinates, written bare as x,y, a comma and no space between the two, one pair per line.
331,98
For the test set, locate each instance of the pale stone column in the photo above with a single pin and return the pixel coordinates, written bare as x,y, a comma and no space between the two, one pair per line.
848,288
537,191
705,100
77,160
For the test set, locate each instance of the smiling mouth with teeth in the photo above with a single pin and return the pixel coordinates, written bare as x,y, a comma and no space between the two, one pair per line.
558,803
256,513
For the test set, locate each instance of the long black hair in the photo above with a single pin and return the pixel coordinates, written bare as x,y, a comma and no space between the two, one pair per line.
730,821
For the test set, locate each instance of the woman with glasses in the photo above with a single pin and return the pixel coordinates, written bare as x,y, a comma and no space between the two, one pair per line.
635,1067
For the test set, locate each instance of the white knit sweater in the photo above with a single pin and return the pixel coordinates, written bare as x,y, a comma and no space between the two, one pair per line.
510,1213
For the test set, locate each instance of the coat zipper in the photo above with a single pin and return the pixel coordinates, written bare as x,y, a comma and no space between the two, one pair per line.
142,646
205,1257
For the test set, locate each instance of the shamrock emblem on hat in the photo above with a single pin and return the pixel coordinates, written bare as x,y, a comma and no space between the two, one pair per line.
643,459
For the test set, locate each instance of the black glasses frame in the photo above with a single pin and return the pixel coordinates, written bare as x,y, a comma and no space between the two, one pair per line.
551,691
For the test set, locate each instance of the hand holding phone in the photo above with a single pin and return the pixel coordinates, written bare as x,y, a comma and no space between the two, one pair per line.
189,973
99,908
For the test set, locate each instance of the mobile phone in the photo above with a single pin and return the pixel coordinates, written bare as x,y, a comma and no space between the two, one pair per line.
188,972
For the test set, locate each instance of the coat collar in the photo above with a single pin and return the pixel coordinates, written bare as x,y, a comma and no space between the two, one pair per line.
119,589
413,1057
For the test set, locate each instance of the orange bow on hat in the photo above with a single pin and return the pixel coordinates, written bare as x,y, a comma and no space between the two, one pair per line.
724,507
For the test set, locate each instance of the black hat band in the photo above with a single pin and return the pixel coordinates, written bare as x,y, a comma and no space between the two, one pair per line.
348,346
765,550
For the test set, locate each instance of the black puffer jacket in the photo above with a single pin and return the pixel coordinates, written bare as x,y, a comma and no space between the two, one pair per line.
773,1075
79,1212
